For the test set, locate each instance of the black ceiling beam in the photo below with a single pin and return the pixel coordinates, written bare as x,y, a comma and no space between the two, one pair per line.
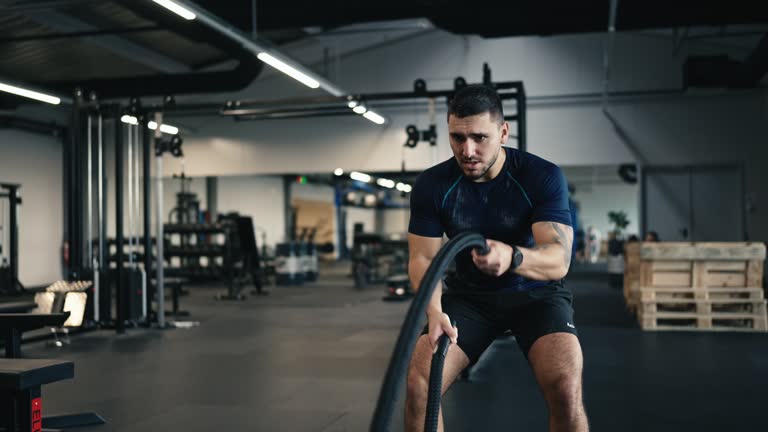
722,71
30,125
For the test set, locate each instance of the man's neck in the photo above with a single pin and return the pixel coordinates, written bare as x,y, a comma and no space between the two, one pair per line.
495,169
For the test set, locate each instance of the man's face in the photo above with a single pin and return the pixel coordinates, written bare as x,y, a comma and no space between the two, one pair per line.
476,141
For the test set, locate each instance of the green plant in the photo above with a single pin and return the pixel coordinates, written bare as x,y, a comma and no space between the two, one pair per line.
619,220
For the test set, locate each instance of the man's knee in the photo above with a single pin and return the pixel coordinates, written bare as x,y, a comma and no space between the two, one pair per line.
563,392
417,383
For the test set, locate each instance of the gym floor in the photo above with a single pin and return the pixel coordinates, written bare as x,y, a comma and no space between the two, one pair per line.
312,358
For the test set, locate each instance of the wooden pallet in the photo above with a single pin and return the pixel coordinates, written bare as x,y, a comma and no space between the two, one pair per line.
703,306
692,265
661,293
685,321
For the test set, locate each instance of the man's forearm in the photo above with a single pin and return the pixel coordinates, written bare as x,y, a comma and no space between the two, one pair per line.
545,262
416,269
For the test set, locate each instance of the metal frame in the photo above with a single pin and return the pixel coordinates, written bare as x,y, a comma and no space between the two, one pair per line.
14,199
80,171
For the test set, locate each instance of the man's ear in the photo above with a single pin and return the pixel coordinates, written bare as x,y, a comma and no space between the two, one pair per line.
504,132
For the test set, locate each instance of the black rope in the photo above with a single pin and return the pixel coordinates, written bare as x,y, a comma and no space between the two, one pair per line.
409,332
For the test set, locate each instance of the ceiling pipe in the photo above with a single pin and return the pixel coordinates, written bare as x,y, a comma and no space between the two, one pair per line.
235,79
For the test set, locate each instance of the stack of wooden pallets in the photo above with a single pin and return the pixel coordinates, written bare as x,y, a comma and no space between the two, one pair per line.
696,286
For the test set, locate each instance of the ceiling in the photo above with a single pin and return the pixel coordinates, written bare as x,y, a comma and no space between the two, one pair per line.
492,18
59,44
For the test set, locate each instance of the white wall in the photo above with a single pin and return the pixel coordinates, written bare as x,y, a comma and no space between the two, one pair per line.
566,133
673,129
35,162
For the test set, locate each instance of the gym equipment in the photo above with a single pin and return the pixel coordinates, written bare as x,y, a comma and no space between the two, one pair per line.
398,288
64,297
21,403
375,259
308,254
411,329
231,254
11,328
134,278
9,264
288,264
244,256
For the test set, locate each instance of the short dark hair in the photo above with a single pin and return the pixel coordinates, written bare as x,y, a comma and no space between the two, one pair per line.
476,99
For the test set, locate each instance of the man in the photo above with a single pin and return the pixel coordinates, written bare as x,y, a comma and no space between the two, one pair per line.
519,202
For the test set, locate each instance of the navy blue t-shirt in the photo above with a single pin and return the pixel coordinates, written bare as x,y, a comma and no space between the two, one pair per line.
528,189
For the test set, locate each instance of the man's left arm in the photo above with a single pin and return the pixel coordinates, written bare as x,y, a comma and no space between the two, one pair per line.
549,259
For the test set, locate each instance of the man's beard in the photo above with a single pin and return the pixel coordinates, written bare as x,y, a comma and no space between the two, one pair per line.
482,171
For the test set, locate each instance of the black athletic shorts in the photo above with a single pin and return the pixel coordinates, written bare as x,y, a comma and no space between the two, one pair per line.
528,315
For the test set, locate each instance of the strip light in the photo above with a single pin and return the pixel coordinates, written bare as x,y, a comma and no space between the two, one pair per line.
372,116
288,70
365,178
403,187
42,97
177,9
338,172
165,128
387,183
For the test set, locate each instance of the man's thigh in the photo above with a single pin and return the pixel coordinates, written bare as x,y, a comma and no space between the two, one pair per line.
548,311
475,322
555,357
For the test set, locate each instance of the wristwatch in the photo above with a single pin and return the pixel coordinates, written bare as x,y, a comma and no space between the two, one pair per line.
517,258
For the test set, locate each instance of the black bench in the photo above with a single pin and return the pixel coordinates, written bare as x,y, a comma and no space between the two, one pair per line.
12,326
17,307
21,405
177,290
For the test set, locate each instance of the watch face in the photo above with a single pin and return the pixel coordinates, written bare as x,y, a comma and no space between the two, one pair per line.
517,257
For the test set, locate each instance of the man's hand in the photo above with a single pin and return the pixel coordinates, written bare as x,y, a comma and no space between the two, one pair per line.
497,261
440,323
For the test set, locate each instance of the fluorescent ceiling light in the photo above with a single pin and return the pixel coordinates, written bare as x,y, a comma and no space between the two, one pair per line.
365,178
360,109
407,188
288,70
352,104
164,128
42,97
400,186
372,116
129,119
338,172
177,9
387,183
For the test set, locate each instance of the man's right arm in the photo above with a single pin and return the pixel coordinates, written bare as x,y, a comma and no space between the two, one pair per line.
421,252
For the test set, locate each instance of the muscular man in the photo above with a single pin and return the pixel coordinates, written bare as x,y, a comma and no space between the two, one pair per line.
519,202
